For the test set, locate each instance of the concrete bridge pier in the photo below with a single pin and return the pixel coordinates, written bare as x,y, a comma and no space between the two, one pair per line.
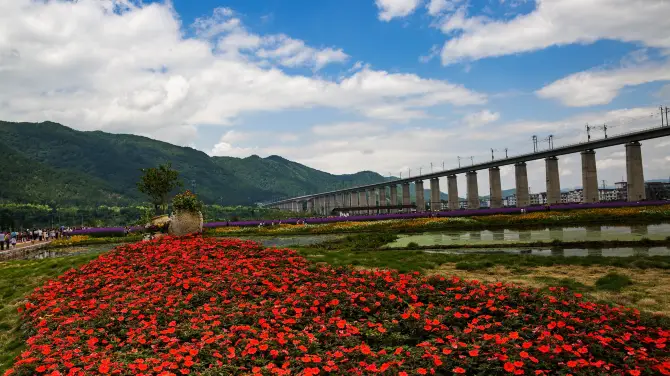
495,188
394,196
435,201
452,191
553,181
405,196
473,190
353,202
589,177
634,172
310,206
362,202
372,200
382,198
522,194
420,199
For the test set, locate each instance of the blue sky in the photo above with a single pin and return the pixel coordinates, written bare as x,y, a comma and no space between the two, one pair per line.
349,85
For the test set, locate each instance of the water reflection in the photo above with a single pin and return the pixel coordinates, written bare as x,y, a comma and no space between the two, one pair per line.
593,232
640,229
525,235
568,252
571,234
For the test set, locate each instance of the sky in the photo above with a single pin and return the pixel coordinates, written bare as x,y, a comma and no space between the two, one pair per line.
392,86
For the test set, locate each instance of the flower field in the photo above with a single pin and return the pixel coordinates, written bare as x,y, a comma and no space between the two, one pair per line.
206,306
548,218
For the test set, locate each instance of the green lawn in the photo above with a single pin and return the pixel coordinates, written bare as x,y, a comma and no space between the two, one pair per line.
17,279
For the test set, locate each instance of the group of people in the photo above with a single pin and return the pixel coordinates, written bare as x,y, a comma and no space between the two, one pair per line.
10,239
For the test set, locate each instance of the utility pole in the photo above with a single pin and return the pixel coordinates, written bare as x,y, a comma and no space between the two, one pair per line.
534,144
666,116
472,160
605,129
588,133
420,169
442,165
505,153
431,167
492,157
459,162
662,116
604,184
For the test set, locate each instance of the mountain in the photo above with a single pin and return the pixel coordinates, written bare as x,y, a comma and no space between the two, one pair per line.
53,164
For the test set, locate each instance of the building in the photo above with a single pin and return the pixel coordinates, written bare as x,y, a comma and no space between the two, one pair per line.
657,190
510,201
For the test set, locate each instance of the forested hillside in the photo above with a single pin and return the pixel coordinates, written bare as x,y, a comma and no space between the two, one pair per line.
48,163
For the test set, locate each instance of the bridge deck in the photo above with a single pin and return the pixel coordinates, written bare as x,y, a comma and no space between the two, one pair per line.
620,139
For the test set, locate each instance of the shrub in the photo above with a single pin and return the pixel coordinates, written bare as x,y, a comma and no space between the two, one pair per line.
412,245
613,282
187,201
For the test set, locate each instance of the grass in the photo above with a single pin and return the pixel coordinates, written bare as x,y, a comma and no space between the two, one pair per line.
613,282
642,282
17,279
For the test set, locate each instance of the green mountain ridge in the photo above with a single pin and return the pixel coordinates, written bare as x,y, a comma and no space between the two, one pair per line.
50,163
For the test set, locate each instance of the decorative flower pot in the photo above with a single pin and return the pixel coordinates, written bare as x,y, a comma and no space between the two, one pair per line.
184,223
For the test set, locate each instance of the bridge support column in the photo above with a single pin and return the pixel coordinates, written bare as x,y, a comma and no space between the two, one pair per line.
310,205
353,202
589,177
495,188
420,199
382,198
406,197
372,201
473,190
435,201
394,197
362,202
452,191
553,181
634,172
522,194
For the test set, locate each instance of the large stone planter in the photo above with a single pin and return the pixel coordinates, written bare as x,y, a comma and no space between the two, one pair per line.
184,223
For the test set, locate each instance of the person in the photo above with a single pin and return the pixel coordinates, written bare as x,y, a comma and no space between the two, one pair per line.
3,240
12,242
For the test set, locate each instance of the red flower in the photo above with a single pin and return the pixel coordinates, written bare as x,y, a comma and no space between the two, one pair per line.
458,370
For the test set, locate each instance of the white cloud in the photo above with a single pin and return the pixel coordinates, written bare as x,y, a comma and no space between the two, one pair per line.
134,71
481,118
235,40
437,7
556,23
602,86
341,129
390,9
226,149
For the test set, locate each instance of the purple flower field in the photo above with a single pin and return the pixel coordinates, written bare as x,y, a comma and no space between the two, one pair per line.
380,217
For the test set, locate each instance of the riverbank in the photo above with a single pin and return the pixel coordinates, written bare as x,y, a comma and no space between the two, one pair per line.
541,219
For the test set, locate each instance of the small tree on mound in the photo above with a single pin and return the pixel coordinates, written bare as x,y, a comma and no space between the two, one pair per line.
157,183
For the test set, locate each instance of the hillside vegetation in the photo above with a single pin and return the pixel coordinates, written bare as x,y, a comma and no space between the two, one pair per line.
52,164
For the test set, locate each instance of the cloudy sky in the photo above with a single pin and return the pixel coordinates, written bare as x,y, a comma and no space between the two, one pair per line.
347,85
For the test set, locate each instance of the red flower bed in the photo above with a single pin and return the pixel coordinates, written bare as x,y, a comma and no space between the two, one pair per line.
222,307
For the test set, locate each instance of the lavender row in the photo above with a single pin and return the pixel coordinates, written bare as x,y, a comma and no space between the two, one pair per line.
381,217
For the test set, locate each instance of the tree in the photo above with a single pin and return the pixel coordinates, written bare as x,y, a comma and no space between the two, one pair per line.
157,183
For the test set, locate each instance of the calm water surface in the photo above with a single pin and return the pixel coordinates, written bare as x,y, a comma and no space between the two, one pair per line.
573,252
653,232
